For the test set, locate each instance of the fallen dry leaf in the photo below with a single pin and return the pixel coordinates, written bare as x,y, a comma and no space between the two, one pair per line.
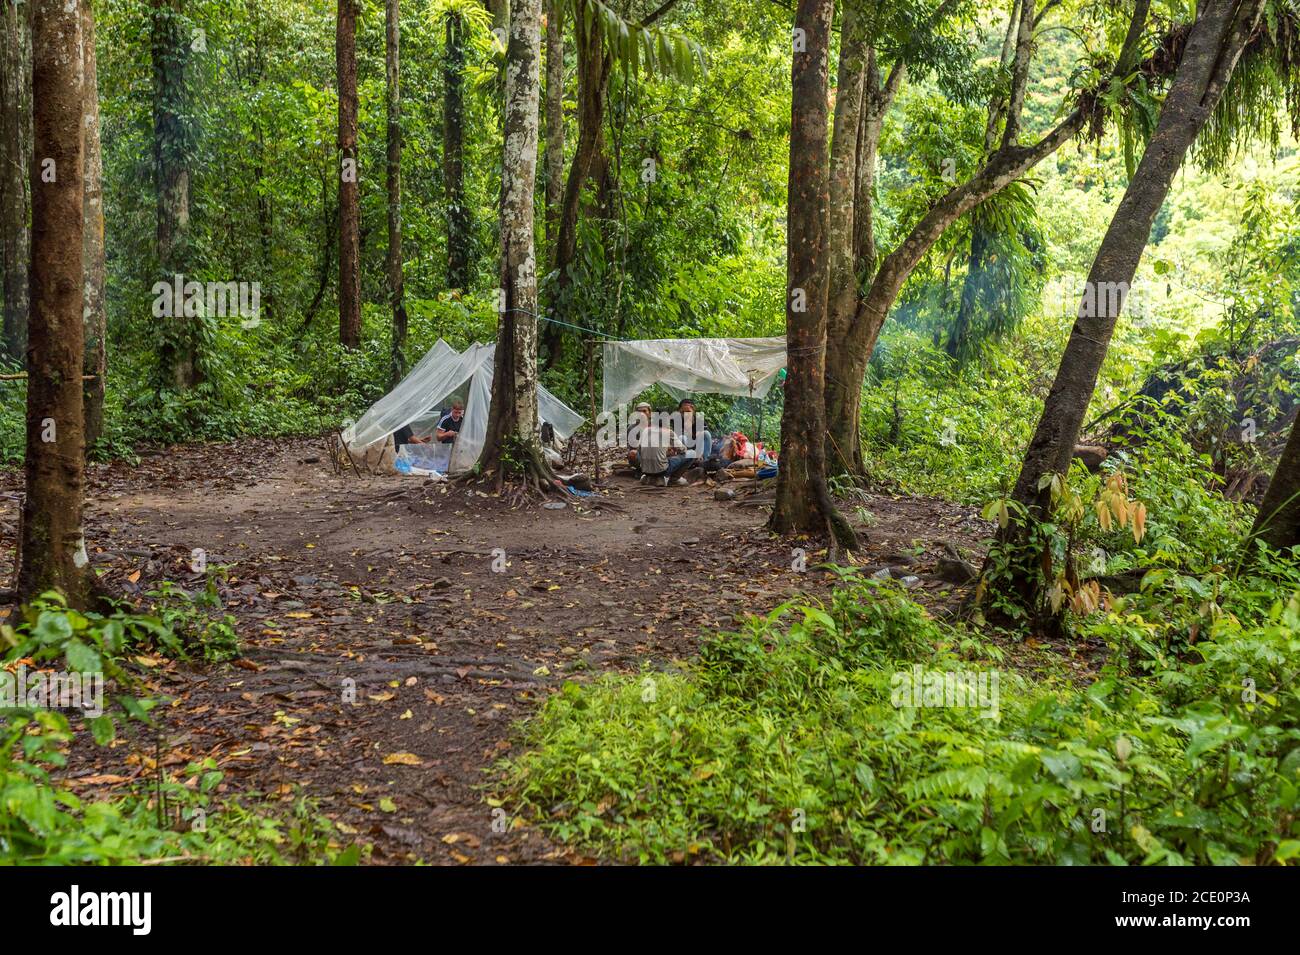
403,759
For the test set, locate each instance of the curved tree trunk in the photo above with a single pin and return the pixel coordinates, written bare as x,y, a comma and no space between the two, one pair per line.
94,315
849,352
1213,49
392,76
53,547
15,158
843,447
803,502
588,159
512,441
345,55
460,220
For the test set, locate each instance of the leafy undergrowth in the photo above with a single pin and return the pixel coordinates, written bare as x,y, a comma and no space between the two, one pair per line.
798,740
56,658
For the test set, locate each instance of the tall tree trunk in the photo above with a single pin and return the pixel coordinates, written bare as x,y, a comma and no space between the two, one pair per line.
460,220
1019,62
345,55
53,547
173,141
95,318
554,164
1213,48
843,448
265,211
392,37
853,161
843,237
500,10
1277,523
512,429
588,158
803,501
15,156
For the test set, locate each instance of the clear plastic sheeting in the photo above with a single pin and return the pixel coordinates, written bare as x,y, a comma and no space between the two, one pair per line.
432,458
439,373
423,393
683,366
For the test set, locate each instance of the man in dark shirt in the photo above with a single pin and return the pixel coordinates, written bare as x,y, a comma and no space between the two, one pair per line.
404,435
450,424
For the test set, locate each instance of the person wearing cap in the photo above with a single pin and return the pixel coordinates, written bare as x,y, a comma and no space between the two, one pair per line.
640,420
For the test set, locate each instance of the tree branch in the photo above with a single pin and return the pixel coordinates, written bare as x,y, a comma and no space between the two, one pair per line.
1043,12
1019,73
662,9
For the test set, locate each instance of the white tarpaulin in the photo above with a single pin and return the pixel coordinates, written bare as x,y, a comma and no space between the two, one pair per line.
725,366
440,375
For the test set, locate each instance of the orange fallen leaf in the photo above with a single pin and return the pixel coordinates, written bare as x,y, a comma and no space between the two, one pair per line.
107,779
402,759
452,838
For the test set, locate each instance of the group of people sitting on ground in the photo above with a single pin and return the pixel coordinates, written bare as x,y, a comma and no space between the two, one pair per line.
661,445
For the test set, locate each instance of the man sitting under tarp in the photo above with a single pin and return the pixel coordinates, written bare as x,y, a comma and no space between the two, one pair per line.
449,425
660,453
414,454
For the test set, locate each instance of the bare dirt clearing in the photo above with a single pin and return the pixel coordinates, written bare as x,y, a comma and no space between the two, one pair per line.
390,583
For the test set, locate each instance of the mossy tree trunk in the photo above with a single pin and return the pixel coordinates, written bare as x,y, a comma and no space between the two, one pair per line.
173,142
512,443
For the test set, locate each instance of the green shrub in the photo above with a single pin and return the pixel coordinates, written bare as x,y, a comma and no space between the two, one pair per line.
785,745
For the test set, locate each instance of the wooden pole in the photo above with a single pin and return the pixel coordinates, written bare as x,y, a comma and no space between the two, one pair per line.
591,389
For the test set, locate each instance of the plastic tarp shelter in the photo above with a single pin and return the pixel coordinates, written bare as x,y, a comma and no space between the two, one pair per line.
441,374
725,366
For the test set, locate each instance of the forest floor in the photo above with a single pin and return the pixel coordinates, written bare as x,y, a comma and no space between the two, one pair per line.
389,582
